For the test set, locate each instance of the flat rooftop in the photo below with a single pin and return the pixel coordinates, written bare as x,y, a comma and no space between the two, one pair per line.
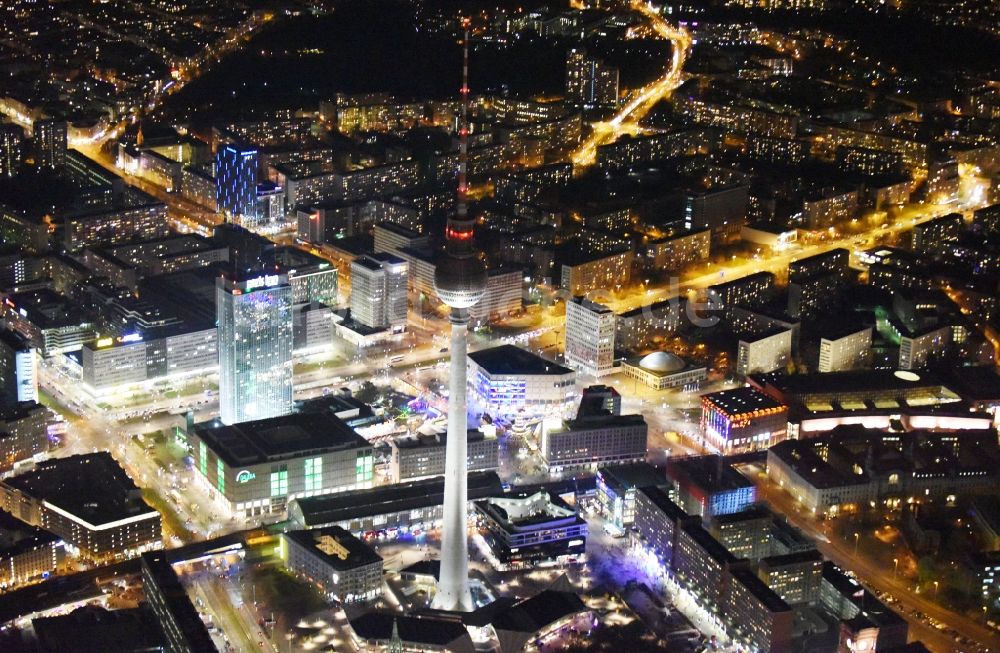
802,458
511,360
390,499
519,511
633,475
795,558
750,514
186,619
337,547
709,544
760,591
709,473
92,487
279,438
741,401
662,501
853,381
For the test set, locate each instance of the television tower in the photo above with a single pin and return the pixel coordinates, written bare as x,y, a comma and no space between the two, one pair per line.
460,282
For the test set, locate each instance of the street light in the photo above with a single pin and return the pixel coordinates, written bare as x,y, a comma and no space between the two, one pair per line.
857,539
895,566
935,589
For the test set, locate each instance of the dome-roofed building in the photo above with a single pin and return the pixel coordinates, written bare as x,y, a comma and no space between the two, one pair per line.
663,369
662,361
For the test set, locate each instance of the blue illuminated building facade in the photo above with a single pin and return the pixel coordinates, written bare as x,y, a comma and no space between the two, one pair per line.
255,348
708,486
236,182
506,381
742,420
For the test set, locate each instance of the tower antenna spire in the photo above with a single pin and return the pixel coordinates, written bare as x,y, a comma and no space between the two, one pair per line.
462,208
460,282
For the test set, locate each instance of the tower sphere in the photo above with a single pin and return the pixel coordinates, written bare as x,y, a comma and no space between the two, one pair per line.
460,281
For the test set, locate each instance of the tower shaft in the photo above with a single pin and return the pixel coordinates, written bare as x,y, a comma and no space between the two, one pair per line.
460,281
453,591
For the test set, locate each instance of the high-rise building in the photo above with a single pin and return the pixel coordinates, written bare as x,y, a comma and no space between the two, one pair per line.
589,81
590,336
255,347
764,352
10,148
236,182
50,143
378,291
18,370
845,349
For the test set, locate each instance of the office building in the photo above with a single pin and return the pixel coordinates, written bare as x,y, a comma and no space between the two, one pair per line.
834,261
846,349
92,627
746,534
257,467
764,352
583,271
126,264
507,380
394,631
599,435
182,626
410,507
676,252
700,563
313,279
27,553
799,469
269,206
662,369
863,617
236,168
640,327
51,323
391,238
657,522
617,488
840,471
749,291
24,433
918,347
740,420
50,143
985,567
707,486
255,347
721,209
345,568
528,529
503,296
89,501
378,291
142,219
985,513
816,295
818,402
11,138
590,337
757,615
795,577
590,82
18,369
422,456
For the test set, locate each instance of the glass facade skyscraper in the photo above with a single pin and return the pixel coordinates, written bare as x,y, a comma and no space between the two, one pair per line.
236,182
255,348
